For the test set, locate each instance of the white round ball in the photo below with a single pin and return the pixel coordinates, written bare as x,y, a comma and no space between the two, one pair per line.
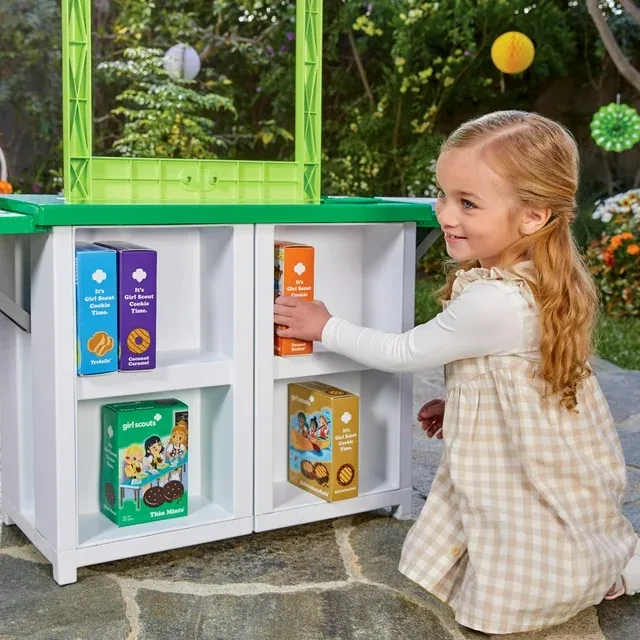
182,61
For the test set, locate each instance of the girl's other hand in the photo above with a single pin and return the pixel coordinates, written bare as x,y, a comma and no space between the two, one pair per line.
431,416
303,319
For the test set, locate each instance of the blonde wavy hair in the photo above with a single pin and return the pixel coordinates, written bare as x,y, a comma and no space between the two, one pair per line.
539,159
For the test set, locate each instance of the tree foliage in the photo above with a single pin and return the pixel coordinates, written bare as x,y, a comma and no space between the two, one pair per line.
31,89
398,75
163,117
608,22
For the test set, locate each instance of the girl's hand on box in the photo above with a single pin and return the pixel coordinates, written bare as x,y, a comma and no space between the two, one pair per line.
303,319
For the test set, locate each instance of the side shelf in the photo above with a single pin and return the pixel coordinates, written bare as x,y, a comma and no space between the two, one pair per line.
363,273
51,431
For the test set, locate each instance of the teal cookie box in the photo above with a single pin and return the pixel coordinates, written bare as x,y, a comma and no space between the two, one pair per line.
96,309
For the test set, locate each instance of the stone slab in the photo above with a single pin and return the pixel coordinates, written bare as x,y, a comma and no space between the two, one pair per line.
284,556
356,611
622,390
34,607
620,618
12,537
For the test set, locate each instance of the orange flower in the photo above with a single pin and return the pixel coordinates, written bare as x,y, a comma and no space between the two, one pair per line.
616,241
608,258
633,249
626,236
5,187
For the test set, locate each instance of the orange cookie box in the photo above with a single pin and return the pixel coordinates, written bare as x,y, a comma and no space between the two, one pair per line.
293,276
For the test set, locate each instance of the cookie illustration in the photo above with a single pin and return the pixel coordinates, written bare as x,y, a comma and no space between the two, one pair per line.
110,493
321,473
138,341
173,490
307,469
346,474
154,497
100,343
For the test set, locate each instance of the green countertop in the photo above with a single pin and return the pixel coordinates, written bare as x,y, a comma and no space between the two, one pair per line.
11,223
33,213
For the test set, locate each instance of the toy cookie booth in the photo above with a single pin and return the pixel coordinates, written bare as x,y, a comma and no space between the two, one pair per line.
199,332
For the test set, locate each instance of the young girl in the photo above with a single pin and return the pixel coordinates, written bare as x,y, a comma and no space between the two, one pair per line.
522,528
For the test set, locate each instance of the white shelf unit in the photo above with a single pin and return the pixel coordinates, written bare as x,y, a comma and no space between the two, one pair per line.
51,417
364,273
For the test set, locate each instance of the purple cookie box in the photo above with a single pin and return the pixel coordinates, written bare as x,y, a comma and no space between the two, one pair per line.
137,285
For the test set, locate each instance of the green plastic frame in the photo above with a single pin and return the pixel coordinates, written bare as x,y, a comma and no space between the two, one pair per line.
90,179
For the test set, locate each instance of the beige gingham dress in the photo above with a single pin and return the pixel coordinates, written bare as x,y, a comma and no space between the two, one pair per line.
522,528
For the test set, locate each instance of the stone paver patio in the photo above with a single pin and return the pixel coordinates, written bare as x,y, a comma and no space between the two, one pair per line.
334,580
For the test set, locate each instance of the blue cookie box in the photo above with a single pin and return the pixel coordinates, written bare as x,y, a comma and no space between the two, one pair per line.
96,308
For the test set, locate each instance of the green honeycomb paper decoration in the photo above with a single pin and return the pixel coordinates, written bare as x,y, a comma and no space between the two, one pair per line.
90,179
616,127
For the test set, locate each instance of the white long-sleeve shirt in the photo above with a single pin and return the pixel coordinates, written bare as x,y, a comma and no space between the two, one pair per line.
489,317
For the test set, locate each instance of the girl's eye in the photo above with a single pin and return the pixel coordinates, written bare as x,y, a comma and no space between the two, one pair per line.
466,204
440,193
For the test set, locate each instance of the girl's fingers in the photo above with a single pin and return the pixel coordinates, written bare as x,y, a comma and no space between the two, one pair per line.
432,412
278,319
287,301
427,405
422,414
283,310
432,427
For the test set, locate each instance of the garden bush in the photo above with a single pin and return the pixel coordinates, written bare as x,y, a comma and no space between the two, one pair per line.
614,257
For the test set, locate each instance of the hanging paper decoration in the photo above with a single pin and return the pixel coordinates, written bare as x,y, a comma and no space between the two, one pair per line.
616,127
182,62
512,52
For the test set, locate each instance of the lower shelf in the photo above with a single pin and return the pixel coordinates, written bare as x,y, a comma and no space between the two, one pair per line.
288,496
96,528
292,508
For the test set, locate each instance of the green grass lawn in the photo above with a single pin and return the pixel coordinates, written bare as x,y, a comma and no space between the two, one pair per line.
618,338
619,341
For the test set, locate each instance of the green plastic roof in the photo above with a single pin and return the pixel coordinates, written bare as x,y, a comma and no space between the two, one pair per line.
32,213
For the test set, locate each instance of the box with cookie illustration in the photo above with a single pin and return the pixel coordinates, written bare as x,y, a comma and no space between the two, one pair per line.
145,455
323,440
96,309
137,285
293,275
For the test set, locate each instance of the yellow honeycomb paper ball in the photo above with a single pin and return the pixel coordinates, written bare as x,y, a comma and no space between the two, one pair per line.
512,52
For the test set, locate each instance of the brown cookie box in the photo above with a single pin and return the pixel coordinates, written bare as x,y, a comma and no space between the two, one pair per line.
324,440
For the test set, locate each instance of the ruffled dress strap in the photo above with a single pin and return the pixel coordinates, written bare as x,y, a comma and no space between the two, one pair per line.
519,275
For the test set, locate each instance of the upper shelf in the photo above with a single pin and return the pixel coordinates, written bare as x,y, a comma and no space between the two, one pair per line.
48,211
176,371
319,363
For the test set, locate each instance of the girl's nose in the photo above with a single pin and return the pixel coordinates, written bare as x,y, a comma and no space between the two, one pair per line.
445,215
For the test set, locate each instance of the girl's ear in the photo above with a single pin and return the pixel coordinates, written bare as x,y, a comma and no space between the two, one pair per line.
533,220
